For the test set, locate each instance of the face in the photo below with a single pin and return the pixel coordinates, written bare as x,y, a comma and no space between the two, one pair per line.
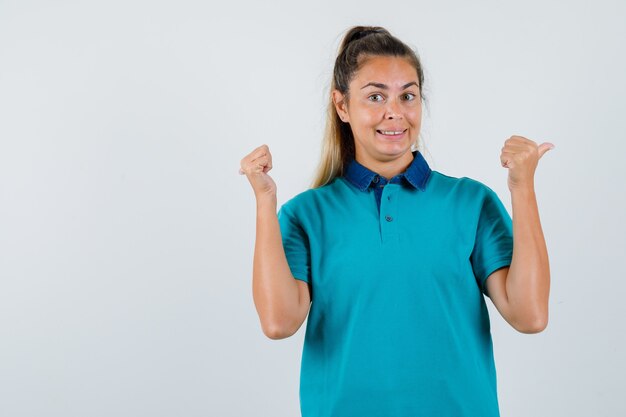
384,109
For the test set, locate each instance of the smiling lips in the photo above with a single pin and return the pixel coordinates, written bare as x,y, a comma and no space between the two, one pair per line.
392,133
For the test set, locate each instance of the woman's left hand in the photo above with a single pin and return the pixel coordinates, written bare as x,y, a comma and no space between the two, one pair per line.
520,156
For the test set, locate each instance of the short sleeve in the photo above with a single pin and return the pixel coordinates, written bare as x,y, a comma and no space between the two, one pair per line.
296,245
493,247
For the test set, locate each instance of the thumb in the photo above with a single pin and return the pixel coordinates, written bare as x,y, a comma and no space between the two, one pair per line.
545,147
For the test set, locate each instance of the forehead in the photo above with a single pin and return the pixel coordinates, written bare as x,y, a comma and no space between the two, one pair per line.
391,70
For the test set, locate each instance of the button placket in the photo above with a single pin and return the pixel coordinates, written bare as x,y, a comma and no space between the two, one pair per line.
388,228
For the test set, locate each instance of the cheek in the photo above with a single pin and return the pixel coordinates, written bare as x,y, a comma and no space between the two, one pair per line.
368,119
375,115
415,115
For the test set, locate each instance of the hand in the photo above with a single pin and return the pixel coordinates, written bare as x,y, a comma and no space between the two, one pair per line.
255,166
520,156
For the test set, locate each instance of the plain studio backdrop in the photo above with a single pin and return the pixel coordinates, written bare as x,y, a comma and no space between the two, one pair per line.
127,234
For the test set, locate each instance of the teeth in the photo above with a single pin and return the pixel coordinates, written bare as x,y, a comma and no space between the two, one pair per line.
389,132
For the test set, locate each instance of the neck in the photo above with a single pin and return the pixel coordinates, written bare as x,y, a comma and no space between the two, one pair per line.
386,168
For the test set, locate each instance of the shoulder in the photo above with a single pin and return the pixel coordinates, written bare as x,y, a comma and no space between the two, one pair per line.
313,198
462,187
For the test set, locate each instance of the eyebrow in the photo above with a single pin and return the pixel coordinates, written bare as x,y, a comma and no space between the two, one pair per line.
384,87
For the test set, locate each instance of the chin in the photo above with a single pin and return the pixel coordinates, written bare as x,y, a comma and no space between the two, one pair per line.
394,147
394,151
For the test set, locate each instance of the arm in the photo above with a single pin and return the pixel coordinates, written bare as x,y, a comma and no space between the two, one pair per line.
521,291
282,302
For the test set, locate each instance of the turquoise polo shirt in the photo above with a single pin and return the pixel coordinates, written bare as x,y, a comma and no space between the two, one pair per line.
398,325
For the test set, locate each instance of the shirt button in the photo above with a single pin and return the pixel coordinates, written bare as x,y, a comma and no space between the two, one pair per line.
376,179
388,218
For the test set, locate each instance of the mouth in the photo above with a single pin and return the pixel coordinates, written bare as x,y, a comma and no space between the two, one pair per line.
391,134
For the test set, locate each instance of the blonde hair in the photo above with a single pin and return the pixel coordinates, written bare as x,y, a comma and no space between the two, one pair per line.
359,43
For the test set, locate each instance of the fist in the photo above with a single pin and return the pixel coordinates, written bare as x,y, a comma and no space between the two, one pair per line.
255,166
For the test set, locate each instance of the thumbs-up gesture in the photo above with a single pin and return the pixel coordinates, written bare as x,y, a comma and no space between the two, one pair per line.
521,156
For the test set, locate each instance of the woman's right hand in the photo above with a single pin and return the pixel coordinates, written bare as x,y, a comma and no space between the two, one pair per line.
255,166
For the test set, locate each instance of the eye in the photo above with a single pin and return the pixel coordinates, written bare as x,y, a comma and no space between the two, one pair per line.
410,94
374,95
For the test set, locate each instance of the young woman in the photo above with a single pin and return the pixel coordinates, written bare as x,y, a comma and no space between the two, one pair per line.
390,259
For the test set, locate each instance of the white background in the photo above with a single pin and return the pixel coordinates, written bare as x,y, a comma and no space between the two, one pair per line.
127,235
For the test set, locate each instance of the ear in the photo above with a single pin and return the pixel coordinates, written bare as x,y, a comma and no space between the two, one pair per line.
341,105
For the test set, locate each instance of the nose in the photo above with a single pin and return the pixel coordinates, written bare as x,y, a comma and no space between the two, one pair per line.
392,110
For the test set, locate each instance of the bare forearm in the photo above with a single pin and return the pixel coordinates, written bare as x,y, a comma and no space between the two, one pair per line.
528,279
275,291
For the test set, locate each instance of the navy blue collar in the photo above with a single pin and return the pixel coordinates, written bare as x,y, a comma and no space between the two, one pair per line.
416,174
